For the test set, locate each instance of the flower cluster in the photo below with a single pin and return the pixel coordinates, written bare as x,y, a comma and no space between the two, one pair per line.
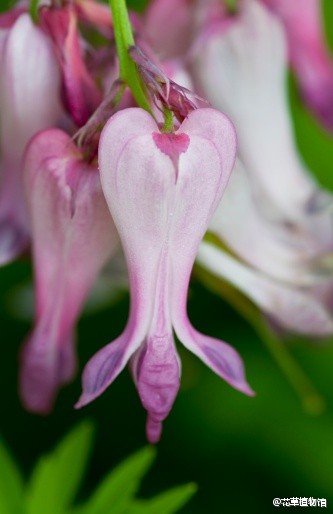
148,143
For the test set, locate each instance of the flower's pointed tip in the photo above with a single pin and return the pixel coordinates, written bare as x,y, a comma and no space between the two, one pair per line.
83,401
153,430
246,389
240,384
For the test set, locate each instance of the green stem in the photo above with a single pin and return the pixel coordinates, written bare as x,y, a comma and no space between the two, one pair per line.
33,10
124,40
231,6
168,121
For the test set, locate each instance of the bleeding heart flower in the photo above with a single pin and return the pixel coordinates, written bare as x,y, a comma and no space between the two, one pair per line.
73,236
162,190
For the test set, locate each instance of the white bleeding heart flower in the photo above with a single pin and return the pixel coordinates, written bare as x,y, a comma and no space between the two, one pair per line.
162,190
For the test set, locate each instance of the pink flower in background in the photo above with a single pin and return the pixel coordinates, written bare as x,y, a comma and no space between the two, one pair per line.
80,93
273,215
170,40
241,67
277,272
73,236
154,183
309,54
29,102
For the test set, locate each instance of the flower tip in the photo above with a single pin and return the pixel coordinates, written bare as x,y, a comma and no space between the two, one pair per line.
153,430
246,389
241,385
37,404
83,401
34,399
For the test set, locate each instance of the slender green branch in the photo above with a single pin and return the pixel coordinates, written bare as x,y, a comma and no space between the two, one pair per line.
124,40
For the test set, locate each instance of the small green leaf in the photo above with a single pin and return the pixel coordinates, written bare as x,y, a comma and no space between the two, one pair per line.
117,490
165,503
11,485
57,476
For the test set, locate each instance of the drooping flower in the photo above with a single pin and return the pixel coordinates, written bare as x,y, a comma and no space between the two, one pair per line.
309,54
154,183
273,216
73,236
29,102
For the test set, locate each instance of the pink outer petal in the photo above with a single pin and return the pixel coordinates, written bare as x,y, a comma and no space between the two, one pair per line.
199,176
105,365
296,309
73,236
141,230
216,354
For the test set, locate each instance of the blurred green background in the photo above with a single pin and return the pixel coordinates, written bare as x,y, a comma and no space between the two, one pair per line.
242,452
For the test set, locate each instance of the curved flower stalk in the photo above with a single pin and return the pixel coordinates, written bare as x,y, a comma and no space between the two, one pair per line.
29,102
73,236
277,274
309,54
153,183
241,67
